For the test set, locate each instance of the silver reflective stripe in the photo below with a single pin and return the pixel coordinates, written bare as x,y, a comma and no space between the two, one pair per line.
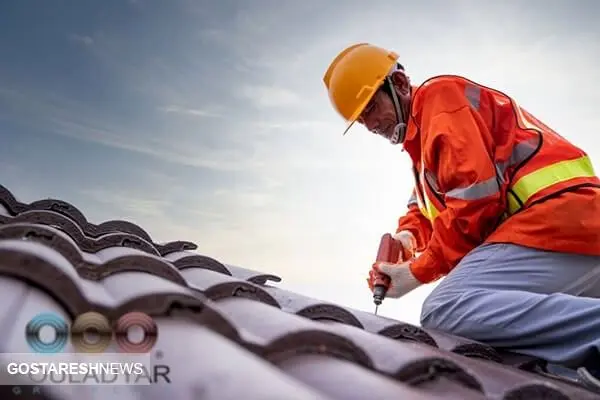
413,200
521,151
476,191
519,154
432,180
473,94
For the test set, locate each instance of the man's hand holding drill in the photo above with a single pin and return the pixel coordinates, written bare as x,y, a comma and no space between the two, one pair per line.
401,279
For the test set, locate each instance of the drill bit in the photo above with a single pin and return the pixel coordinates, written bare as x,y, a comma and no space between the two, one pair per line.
376,307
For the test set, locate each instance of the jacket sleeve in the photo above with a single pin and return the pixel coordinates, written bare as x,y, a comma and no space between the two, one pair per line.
457,147
416,223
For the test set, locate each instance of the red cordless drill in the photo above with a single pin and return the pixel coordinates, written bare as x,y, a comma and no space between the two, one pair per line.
391,251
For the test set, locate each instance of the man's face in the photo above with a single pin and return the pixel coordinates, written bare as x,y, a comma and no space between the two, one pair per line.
379,116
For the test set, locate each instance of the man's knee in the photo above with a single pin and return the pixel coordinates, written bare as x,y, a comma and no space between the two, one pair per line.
454,312
436,312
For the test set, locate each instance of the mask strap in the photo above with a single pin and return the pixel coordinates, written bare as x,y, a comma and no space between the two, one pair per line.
399,133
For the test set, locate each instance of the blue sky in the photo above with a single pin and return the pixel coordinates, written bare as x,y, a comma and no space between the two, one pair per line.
208,121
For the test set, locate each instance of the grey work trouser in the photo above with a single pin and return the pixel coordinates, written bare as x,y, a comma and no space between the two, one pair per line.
534,302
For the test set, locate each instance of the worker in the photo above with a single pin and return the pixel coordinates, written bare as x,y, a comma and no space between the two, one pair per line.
503,208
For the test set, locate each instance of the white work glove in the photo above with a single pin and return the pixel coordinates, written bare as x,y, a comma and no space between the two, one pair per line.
402,280
408,242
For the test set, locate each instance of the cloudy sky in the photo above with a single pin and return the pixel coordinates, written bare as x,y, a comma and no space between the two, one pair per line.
208,121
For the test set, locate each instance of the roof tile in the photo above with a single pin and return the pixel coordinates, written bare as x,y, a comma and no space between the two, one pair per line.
342,379
312,308
257,277
209,366
186,259
464,346
217,286
227,332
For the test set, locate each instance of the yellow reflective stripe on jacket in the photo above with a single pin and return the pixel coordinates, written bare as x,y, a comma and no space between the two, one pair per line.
427,209
526,187
562,171
432,212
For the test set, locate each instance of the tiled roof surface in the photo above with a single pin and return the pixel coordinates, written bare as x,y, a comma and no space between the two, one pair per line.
230,333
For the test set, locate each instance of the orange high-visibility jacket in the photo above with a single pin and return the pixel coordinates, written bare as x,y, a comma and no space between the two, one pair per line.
486,170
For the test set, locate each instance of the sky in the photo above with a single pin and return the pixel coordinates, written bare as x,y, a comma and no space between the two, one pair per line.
208,121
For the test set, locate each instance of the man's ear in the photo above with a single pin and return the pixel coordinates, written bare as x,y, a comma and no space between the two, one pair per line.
401,81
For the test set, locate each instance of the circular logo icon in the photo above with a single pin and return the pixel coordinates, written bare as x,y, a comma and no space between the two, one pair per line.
91,332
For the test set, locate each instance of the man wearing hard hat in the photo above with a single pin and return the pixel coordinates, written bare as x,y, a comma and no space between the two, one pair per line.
503,207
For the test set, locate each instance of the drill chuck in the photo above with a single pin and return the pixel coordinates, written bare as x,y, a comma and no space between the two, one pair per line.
378,294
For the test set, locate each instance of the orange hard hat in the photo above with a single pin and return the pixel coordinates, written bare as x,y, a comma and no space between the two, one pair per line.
354,76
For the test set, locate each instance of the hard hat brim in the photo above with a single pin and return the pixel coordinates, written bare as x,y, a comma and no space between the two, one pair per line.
348,128
361,108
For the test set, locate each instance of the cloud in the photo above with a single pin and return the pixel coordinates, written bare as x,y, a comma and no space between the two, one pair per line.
204,217
270,96
261,148
10,168
82,39
307,127
190,111
130,203
153,210
189,145
184,152
263,38
250,198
